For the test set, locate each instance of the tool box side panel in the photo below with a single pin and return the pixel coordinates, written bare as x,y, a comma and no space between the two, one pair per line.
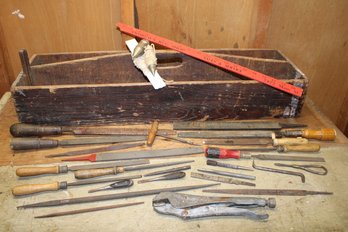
138,104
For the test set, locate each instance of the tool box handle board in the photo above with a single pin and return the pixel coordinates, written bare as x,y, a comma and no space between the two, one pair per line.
278,84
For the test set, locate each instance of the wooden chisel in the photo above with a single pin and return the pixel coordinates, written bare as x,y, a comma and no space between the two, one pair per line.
35,171
139,154
27,189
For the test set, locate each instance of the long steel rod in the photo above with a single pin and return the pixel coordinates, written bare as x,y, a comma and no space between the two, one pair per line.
276,192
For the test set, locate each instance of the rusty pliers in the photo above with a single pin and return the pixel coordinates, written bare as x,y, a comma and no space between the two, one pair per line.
312,168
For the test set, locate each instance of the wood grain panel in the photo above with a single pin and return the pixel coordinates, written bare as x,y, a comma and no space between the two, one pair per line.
59,26
314,34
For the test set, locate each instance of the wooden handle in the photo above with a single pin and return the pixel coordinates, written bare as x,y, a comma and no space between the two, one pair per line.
35,171
32,143
152,133
310,147
90,173
325,134
25,130
26,189
289,141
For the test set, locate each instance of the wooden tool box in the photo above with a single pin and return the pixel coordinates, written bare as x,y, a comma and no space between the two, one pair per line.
105,87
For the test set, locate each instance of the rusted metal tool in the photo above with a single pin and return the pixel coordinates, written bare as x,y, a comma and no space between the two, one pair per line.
187,206
170,176
94,209
115,185
95,150
144,154
303,179
234,125
277,192
36,143
312,168
226,165
222,173
77,200
186,167
27,189
90,173
35,171
27,130
265,142
220,179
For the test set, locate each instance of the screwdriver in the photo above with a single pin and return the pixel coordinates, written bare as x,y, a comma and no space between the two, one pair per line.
170,176
118,184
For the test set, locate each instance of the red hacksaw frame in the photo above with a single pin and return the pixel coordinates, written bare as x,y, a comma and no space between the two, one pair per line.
275,83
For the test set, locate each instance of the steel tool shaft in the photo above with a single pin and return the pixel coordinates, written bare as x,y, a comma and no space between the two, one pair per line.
220,179
186,167
72,212
222,173
225,165
170,176
279,192
115,185
114,196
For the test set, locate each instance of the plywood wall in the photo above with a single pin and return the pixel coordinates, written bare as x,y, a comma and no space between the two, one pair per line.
314,34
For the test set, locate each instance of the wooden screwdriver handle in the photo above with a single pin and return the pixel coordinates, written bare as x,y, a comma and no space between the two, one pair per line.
309,147
289,141
25,130
35,171
325,134
90,173
26,189
152,133
32,143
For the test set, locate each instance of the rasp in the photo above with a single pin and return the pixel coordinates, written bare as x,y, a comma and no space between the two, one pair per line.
234,125
139,154
36,143
279,192
105,197
27,189
35,171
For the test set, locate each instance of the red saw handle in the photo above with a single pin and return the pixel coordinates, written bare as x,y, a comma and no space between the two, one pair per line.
260,77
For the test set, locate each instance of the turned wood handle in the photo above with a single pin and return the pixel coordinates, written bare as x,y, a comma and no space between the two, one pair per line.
325,134
152,133
25,130
289,141
26,189
32,143
309,147
35,171
90,173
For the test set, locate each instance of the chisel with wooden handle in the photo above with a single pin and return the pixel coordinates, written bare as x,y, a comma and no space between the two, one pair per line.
85,174
27,130
36,171
36,143
325,134
27,189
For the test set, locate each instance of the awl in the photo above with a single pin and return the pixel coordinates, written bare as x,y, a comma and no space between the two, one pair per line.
85,174
35,171
234,125
36,143
140,154
26,189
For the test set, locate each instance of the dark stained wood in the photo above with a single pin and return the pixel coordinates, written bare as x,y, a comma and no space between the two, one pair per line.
108,89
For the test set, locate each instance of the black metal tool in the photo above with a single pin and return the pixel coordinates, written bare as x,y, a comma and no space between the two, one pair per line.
222,173
312,168
77,200
278,192
72,212
225,165
170,176
303,179
115,185
186,167
187,206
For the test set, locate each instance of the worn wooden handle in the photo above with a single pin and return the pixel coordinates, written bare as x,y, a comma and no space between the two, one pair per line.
90,173
32,143
152,133
26,189
289,141
35,171
25,130
309,147
325,134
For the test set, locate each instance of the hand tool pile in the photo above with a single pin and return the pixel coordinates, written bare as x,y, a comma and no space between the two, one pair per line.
240,138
